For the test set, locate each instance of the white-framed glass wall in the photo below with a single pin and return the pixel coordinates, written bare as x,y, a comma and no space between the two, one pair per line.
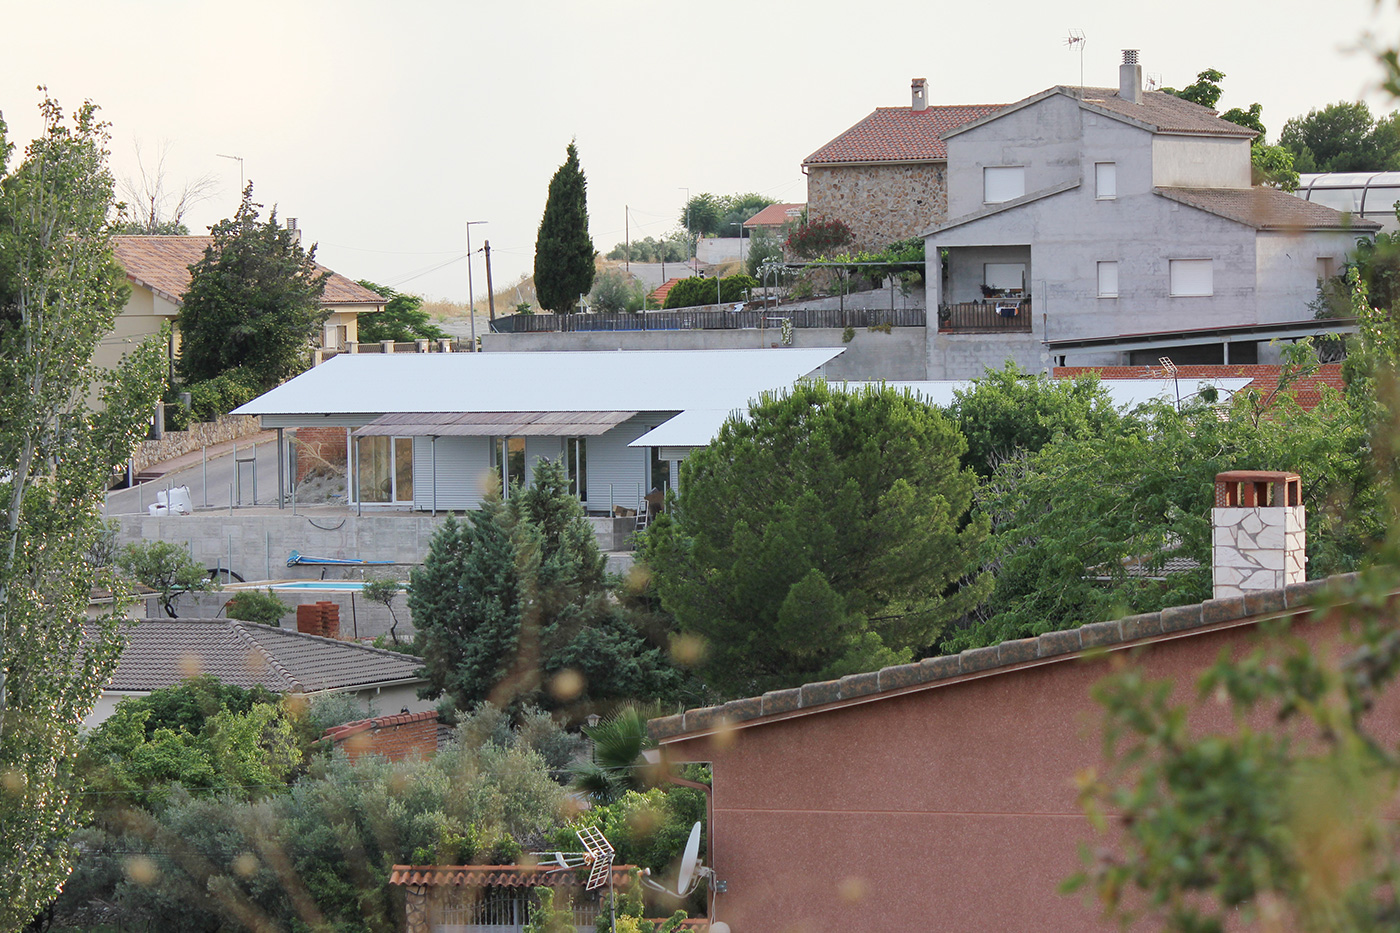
382,470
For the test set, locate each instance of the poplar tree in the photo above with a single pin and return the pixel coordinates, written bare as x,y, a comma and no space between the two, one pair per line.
60,292
563,249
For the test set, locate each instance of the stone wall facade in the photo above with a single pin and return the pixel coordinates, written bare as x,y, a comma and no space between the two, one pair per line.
880,203
1259,548
200,434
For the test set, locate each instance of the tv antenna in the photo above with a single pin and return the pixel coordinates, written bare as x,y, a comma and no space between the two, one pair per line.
1076,39
597,857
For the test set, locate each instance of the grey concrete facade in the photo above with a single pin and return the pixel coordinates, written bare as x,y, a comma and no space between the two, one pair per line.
1063,228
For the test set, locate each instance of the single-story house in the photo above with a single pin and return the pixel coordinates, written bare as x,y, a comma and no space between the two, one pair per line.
430,431
158,268
774,218
165,652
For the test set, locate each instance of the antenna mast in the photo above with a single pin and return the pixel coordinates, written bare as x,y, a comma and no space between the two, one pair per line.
1076,39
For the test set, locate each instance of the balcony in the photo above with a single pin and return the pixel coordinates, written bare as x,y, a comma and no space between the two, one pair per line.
989,316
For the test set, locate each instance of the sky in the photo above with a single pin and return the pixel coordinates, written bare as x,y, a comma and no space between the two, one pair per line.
385,127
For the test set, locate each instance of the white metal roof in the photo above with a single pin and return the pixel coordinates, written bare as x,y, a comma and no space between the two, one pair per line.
617,380
698,427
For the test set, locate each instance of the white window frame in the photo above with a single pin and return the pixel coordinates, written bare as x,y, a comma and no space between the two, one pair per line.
1186,280
1108,289
1105,181
998,180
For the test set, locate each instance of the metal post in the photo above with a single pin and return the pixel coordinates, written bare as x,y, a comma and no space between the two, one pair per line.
141,498
204,472
359,509
434,443
281,483
267,554
255,474
230,491
228,568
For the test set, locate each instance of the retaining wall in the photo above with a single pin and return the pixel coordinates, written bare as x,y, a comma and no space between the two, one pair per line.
200,434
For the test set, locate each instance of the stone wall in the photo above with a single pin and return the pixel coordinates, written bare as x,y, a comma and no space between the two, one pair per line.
200,434
880,203
1259,548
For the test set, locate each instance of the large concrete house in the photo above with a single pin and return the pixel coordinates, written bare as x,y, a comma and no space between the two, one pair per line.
1109,226
158,268
885,177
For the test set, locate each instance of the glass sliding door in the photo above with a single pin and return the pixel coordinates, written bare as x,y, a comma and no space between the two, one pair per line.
383,470
508,459
576,458
403,469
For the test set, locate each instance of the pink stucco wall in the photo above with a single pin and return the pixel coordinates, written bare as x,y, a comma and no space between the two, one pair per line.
951,808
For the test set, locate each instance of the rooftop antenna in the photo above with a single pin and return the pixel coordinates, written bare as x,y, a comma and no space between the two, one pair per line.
1073,40
597,857
1170,367
1153,81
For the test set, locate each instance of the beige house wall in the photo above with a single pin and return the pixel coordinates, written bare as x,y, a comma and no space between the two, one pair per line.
881,203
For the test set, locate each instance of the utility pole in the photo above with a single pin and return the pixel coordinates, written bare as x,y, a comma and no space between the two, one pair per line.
471,295
490,291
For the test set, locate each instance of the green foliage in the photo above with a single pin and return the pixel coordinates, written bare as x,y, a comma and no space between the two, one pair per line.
402,319
563,249
672,248
646,828
719,215
212,398
547,918
1283,827
697,290
60,292
1073,520
1205,90
819,238
615,291
1009,413
510,606
165,567
764,246
1343,137
259,606
616,764
384,590
1273,166
317,856
823,535
253,301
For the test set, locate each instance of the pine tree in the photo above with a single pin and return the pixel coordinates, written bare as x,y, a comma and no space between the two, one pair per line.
564,250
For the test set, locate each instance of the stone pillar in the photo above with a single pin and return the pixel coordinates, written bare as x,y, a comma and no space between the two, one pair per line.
352,346
445,344
416,909
386,346
420,346
1257,528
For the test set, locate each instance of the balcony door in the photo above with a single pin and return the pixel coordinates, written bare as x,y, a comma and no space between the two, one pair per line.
384,470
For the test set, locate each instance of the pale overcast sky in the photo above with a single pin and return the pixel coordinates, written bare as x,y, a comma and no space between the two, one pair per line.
383,127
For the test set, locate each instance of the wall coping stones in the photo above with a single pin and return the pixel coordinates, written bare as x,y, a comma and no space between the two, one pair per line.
1127,630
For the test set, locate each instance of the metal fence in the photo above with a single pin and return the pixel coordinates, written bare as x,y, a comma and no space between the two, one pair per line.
708,320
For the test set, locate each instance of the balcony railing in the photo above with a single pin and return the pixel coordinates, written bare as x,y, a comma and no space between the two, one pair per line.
991,316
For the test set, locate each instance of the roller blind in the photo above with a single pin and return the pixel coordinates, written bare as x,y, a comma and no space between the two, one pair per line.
1192,277
1003,182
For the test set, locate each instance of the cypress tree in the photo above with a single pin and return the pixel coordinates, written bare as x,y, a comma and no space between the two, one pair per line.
563,249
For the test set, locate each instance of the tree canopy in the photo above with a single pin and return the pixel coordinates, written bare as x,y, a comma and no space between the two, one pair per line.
1343,137
511,606
564,254
721,215
254,301
825,533
60,292
403,318
1271,165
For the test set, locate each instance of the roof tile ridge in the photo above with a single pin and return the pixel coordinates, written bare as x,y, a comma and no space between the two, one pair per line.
245,633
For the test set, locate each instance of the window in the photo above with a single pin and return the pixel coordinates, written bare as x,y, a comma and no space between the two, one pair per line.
1108,280
1191,278
1105,180
1003,182
1004,276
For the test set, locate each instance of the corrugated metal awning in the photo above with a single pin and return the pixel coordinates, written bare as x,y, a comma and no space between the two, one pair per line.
495,424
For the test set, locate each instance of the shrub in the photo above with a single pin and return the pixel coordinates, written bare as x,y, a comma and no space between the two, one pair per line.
819,238
615,291
212,398
687,293
256,606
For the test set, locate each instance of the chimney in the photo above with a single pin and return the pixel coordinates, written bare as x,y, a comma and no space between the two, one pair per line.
296,231
1130,77
1257,527
918,90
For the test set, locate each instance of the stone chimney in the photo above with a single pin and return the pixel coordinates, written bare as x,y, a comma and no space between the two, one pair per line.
918,90
1257,527
1130,77
296,231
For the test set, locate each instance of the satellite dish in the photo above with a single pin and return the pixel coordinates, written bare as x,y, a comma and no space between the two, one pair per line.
559,860
688,861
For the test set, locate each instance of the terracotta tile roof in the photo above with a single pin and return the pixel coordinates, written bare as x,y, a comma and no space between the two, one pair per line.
658,297
1006,657
1266,209
1167,113
162,264
775,215
163,652
345,730
1306,391
503,876
899,134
